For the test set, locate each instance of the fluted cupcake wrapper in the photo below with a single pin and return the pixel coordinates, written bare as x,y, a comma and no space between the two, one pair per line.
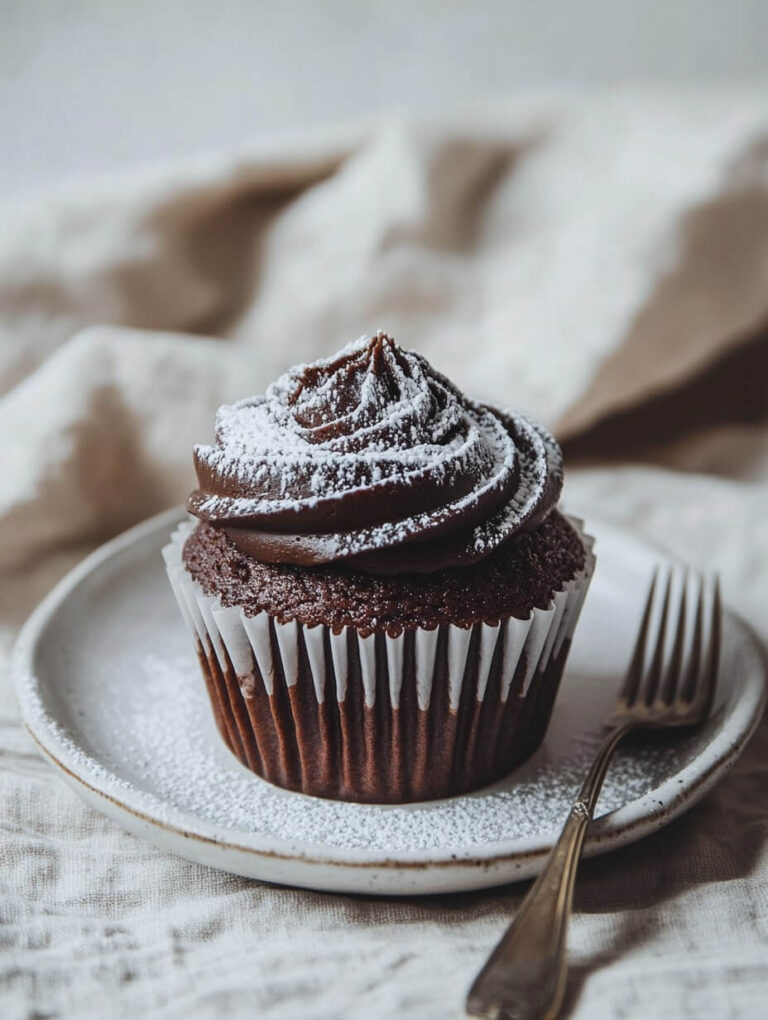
384,719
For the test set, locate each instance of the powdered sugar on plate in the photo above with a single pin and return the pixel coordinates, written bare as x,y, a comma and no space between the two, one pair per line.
161,740
108,685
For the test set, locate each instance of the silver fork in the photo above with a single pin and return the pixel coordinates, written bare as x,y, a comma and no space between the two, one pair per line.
524,978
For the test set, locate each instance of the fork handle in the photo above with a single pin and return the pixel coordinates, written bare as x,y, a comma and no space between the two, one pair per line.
524,978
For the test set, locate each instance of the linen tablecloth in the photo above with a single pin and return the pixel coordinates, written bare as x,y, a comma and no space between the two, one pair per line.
601,264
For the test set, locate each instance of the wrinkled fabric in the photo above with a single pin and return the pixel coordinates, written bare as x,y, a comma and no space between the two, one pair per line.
601,265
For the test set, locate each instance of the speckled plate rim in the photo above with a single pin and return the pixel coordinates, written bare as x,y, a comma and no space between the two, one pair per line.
358,870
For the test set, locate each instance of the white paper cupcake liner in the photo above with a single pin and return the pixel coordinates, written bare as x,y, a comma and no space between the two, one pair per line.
421,715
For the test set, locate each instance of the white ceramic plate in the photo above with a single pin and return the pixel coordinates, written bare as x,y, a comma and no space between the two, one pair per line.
110,689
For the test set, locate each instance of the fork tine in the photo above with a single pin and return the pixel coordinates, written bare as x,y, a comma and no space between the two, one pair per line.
693,672
653,677
668,688
635,671
709,681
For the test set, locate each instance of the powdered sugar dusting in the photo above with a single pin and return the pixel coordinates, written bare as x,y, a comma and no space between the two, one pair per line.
162,741
142,730
375,419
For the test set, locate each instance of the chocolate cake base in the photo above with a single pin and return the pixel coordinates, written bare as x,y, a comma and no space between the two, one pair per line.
381,754
382,712
517,577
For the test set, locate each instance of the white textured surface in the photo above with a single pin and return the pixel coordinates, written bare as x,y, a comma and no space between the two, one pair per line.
145,734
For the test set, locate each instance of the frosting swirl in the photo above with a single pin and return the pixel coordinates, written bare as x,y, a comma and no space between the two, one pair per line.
373,459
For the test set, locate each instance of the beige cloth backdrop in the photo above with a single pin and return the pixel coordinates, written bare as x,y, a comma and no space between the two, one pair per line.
601,265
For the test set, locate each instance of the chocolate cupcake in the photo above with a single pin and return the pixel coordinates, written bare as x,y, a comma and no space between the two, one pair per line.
380,586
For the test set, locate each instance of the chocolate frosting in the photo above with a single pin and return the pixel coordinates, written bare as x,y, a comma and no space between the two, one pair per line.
375,460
